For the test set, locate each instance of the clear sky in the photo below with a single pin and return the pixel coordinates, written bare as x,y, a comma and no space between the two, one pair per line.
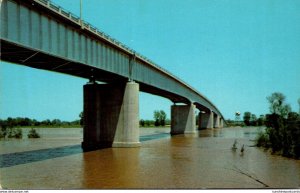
234,52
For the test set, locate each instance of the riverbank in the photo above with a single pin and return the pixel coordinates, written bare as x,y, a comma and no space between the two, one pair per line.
201,160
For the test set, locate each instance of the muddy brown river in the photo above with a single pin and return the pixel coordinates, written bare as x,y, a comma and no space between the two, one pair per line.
201,160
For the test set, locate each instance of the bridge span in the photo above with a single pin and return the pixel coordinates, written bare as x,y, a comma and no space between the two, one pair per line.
40,34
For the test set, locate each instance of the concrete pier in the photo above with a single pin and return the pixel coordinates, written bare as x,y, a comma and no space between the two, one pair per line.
221,123
110,116
206,120
127,134
183,119
200,114
216,121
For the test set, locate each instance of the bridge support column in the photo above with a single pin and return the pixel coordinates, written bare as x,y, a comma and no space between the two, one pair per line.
111,116
216,121
183,119
207,120
221,123
200,120
128,131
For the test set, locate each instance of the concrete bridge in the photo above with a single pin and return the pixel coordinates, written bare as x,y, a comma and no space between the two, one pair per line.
39,34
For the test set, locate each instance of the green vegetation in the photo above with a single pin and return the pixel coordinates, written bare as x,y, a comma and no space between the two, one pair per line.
26,122
233,123
283,128
81,116
277,104
247,116
146,123
3,132
33,134
261,120
160,119
251,119
262,140
151,123
11,127
14,133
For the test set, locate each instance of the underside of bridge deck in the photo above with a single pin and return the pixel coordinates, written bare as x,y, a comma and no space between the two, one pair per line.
21,55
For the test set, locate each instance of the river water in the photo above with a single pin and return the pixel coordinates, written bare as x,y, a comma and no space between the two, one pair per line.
201,160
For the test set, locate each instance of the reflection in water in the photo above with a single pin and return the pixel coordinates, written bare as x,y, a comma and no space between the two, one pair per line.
154,136
239,132
123,169
202,160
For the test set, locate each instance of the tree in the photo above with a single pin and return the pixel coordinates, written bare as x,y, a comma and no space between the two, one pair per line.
253,120
156,118
160,118
81,118
46,122
261,120
283,127
149,122
163,116
56,122
247,117
35,122
142,122
275,126
277,104
10,122
156,115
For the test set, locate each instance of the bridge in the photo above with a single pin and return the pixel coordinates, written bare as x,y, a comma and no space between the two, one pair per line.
42,35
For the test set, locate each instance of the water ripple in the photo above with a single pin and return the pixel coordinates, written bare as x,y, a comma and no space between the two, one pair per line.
13,159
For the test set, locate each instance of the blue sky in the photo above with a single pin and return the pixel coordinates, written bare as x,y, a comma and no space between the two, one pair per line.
234,52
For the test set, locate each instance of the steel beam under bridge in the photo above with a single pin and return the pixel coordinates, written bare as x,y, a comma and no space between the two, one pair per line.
38,34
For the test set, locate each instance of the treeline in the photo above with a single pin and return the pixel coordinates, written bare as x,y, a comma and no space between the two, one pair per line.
151,123
24,122
160,119
282,134
249,119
